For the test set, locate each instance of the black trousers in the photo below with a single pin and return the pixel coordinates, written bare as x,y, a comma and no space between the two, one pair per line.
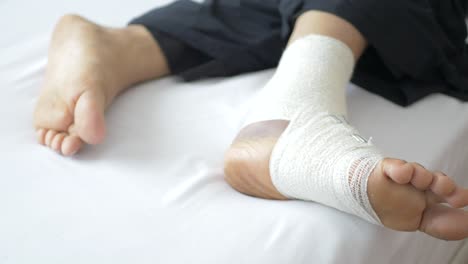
416,47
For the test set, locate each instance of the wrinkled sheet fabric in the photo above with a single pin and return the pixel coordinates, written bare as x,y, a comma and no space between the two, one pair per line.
154,191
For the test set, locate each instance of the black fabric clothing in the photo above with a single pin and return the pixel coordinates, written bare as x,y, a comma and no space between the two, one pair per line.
416,47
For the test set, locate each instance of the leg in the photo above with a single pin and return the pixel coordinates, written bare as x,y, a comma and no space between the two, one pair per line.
88,66
254,179
396,184
104,61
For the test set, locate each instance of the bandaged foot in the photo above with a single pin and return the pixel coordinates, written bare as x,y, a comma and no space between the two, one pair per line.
320,157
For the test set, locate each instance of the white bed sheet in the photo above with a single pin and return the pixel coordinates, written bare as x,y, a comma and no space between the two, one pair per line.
154,191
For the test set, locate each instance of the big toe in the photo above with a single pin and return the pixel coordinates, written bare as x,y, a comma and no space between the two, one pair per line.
445,222
89,117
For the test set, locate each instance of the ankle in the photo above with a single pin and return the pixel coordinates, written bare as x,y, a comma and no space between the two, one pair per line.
142,57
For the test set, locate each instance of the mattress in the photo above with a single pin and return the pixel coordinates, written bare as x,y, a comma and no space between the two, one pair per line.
154,191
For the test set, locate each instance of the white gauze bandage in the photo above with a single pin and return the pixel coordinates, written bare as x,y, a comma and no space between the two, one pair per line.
319,157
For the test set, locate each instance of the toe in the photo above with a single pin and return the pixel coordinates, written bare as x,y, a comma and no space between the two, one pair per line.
444,190
442,185
459,198
422,178
70,145
399,171
89,117
49,137
445,223
57,142
40,133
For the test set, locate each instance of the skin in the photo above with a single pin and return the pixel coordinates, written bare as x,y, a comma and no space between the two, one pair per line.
76,92
405,196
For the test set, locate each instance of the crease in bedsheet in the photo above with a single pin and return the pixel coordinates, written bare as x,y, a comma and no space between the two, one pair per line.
457,144
24,62
202,175
130,190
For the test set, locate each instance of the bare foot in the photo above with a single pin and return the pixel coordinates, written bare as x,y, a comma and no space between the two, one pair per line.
405,196
88,65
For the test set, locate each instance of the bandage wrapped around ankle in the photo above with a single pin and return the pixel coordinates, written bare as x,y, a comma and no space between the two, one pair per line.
319,157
